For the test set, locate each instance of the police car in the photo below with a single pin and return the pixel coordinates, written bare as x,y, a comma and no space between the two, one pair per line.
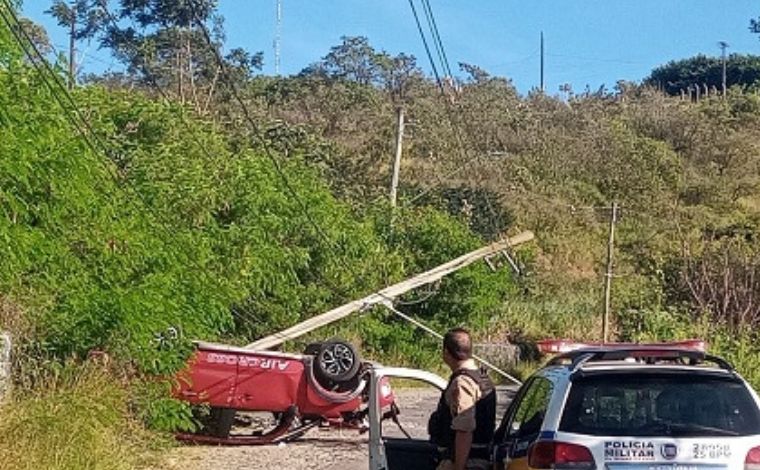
631,407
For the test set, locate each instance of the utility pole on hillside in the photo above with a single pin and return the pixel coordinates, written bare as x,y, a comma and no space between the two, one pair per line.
72,46
723,46
397,159
608,274
542,61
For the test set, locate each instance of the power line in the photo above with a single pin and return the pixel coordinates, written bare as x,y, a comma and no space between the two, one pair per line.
267,151
433,26
35,57
73,113
256,131
447,105
427,48
435,334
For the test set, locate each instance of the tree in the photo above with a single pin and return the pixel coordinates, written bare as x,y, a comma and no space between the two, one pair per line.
172,51
355,60
476,74
398,74
37,34
754,25
678,76
83,19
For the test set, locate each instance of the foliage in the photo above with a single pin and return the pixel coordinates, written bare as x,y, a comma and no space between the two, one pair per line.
82,253
739,347
76,419
754,25
164,43
189,224
676,77
356,61
722,280
87,16
168,230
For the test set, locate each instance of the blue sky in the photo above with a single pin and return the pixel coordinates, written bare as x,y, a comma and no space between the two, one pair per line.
588,42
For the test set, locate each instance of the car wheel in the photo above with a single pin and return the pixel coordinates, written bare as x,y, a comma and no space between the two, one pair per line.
219,422
337,362
312,349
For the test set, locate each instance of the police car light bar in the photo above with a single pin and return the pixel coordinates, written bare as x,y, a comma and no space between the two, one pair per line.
558,346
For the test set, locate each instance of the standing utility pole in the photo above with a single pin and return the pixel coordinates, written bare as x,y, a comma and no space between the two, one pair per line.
608,275
723,46
277,33
72,45
397,159
542,61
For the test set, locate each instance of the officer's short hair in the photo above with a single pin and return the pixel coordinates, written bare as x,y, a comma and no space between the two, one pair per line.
458,343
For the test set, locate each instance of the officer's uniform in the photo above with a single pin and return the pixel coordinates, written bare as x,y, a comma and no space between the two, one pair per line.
468,404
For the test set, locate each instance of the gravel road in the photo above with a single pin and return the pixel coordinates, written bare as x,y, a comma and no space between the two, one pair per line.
319,448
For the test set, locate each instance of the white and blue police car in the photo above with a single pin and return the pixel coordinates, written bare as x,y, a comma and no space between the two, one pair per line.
665,406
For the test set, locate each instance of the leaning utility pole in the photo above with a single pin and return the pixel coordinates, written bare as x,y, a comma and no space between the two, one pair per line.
608,275
723,46
397,159
387,295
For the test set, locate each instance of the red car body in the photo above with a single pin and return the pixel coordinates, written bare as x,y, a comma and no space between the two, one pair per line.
229,377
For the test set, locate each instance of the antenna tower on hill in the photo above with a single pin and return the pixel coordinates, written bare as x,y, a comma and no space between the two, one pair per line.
277,35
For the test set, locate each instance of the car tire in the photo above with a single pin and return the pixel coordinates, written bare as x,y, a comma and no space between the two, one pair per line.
336,362
312,349
219,422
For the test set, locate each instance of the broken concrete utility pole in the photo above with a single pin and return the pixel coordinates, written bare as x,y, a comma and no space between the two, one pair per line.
389,293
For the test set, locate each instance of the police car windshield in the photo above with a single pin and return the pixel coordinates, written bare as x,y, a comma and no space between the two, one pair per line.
652,404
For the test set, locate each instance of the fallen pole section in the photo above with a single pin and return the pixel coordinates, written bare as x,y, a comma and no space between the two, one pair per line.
389,293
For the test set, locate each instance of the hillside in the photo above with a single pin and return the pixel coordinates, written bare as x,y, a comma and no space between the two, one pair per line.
131,211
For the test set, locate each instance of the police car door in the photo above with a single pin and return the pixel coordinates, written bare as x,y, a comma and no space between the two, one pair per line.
524,425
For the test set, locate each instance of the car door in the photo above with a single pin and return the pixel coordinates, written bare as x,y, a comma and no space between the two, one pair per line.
523,423
409,446
405,446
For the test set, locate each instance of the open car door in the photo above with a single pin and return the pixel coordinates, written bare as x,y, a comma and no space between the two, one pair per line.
395,445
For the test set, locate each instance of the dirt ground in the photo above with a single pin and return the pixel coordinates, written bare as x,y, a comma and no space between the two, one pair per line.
320,448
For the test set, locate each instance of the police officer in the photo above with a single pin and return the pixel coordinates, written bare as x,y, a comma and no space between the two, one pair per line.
463,424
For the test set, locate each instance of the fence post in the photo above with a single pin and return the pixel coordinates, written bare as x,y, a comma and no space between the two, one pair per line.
5,365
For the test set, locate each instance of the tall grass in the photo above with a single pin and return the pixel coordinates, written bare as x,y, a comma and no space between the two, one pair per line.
740,346
76,419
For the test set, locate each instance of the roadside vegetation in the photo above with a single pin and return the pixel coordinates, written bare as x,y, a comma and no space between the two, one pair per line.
174,219
75,417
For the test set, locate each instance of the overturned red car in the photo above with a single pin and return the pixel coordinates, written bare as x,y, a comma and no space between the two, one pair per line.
263,397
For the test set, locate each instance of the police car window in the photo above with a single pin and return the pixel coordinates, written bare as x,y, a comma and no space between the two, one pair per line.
652,405
531,411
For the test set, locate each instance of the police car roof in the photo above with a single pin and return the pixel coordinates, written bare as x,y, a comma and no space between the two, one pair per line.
638,356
